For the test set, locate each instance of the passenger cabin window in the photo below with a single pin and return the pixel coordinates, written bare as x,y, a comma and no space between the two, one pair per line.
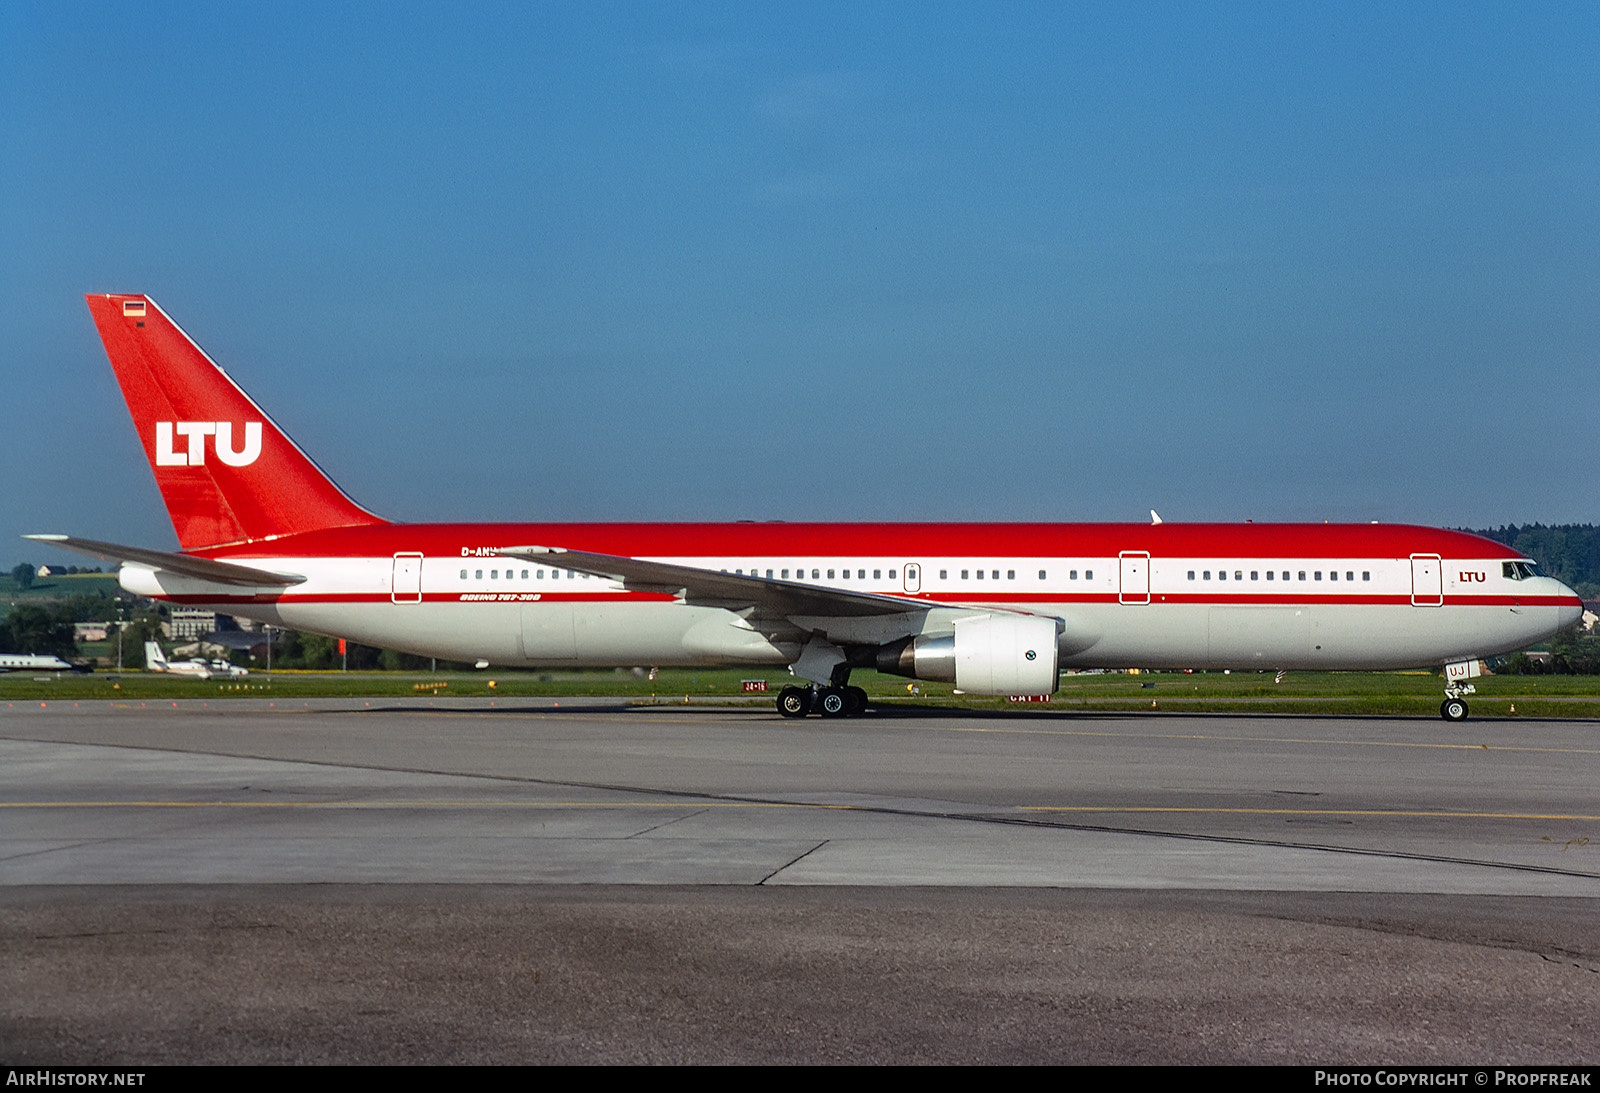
1041,575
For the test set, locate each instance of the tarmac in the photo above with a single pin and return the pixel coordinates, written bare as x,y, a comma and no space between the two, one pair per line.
577,880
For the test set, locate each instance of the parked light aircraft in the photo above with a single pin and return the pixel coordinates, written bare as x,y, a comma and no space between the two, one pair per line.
993,608
18,662
156,661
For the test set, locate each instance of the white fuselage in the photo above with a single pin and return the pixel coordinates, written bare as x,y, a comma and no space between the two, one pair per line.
1117,611
19,662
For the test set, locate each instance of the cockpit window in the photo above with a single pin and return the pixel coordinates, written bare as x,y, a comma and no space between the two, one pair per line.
1516,571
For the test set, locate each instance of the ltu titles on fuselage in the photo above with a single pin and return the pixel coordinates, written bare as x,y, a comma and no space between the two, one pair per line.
993,608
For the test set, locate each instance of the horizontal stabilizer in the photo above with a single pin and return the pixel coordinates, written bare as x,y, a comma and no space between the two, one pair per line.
705,586
202,569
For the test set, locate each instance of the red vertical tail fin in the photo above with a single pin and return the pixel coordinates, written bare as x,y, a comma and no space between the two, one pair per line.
228,474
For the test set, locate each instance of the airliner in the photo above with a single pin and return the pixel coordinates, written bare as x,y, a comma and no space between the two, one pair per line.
996,609
197,668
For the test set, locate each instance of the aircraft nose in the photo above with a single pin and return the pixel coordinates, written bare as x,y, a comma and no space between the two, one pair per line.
1571,609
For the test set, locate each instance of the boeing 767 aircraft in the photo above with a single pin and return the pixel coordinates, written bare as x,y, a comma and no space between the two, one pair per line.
992,608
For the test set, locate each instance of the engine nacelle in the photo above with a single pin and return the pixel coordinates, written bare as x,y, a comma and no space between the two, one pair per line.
987,655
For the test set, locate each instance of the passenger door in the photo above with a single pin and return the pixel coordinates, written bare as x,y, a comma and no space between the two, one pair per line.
1427,580
406,583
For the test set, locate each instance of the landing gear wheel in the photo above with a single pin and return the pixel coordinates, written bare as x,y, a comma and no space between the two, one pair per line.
1453,709
794,702
832,702
857,701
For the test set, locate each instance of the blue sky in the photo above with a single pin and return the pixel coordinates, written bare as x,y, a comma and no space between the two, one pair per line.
867,262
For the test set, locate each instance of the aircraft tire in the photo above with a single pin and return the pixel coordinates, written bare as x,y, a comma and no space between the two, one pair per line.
857,701
794,702
833,702
1453,709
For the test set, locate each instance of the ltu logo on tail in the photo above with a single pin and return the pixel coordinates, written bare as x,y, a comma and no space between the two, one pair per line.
197,431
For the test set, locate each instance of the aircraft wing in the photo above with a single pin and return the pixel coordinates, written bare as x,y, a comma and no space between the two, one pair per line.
203,569
702,586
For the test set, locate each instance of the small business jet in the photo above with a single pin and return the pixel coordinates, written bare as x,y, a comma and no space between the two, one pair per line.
37,662
156,661
993,608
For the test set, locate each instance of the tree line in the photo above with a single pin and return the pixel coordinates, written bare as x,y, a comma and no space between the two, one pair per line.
1568,552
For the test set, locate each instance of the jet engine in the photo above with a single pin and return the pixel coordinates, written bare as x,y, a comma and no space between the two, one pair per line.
987,655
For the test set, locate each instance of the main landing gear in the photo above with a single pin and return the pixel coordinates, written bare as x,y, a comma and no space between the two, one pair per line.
840,701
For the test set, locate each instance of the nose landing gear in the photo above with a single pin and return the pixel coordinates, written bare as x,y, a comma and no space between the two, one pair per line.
1454,706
